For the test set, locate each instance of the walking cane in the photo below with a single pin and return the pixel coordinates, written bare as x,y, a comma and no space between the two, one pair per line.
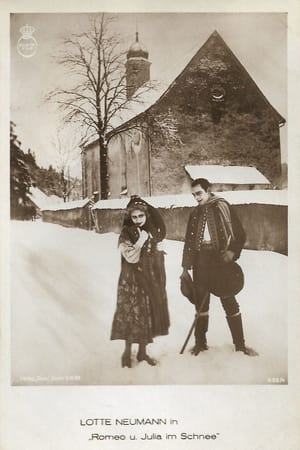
194,323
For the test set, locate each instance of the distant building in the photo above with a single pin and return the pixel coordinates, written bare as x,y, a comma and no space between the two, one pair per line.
213,114
40,200
229,178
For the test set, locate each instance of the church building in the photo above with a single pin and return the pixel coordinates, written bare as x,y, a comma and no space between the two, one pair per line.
210,113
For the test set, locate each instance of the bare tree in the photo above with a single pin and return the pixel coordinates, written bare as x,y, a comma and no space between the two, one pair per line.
67,151
95,62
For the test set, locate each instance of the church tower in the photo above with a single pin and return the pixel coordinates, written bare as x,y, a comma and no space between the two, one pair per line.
137,67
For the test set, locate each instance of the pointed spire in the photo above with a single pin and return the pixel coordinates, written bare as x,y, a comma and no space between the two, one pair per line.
136,29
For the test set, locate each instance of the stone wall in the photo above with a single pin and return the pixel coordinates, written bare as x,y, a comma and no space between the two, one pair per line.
265,225
74,218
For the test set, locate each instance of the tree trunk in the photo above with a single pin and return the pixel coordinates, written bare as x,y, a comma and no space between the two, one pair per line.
103,169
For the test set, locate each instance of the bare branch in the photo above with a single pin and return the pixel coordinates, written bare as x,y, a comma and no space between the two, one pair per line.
95,84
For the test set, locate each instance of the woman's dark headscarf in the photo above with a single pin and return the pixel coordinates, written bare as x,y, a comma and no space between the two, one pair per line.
154,223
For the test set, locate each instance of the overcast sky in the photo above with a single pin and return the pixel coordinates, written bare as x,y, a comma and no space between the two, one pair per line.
258,40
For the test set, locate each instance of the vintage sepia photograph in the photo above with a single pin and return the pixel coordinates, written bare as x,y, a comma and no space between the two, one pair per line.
149,263
148,199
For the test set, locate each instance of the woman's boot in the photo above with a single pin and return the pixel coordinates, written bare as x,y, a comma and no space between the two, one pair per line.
126,357
142,355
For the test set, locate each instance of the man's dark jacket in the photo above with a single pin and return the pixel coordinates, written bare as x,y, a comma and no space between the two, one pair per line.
196,222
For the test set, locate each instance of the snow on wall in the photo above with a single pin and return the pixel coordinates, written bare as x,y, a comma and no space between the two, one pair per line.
227,174
67,205
269,197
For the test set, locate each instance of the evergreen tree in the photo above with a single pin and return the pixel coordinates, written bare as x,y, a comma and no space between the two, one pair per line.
20,180
29,158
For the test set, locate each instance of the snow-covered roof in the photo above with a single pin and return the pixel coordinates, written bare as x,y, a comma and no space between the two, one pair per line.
169,76
68,205
144,97
227,174
148,94
41,200
268,197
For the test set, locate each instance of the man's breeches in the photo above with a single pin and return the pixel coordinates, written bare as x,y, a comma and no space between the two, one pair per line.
201,270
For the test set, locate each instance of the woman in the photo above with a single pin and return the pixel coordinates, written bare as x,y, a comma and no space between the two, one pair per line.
142,310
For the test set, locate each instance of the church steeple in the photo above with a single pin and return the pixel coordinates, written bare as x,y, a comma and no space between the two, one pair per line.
137,66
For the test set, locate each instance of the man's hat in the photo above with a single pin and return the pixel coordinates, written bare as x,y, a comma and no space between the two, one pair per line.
225,278
187,286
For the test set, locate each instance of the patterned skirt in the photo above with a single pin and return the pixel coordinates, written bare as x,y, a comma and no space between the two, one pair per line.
142,310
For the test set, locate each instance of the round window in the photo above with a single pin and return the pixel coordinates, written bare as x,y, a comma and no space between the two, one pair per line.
217,94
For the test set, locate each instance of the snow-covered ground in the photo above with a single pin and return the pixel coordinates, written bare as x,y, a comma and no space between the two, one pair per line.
63,295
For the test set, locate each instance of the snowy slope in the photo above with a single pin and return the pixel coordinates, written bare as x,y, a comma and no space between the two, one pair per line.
63,295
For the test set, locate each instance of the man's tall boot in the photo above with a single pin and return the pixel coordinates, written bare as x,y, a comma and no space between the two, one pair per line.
200,334
236,329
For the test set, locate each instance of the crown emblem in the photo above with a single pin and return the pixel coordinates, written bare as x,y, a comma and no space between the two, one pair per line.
27,44
27,31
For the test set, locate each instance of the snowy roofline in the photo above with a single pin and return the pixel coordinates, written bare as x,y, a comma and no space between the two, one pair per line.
268,197
41,200
67,205
227,174
145,97
161,88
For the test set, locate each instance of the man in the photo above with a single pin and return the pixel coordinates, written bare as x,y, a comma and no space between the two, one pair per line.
213,232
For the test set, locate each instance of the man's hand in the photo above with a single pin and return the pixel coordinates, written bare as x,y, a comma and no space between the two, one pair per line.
227,255
160,246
